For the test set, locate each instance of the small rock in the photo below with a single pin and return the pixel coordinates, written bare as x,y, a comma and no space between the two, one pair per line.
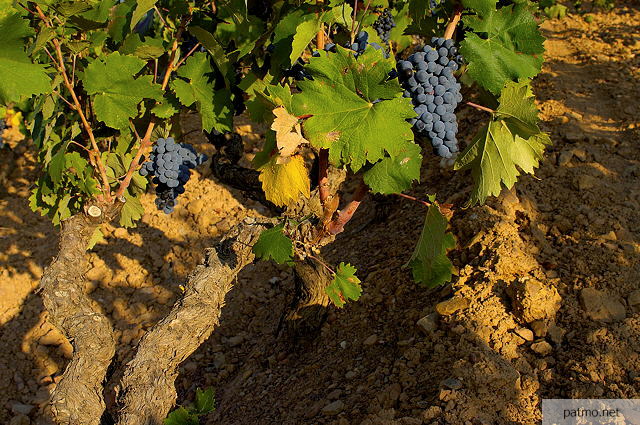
573,136
564,158
343,344
532,300
585,182
22,409
556,333
601,306
634,298
235,340
581,154
121,233
191,366
540,328
20,420
350,374
450,306
428,324
543,348
335,394
526,334
452,383
334,408
53,337
371,340
431,413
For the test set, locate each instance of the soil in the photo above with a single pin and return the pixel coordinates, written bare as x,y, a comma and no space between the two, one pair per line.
545,302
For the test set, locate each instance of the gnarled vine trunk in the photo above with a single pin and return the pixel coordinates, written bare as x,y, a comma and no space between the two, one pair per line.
147,390
77,399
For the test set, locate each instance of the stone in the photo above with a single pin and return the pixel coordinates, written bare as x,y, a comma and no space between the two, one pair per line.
556,333
540,328
333,408
634,298
350,374
452,383
335,394
431,413
428,324
601,306
450,306
532,300
20,420
22,409
235,340
372,339
564,158
585,182
525,333
543,348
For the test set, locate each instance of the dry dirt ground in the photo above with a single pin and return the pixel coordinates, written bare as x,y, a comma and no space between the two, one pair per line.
546,302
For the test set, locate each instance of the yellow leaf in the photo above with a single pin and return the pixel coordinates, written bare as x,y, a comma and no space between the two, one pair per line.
283,183
288,133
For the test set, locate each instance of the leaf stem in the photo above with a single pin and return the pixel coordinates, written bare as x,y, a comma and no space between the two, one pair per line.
413,198
480,107
353,21
325,265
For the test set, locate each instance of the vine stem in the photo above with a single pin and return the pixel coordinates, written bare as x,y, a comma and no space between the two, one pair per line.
453,22
353,21
480,107
413,198
337,225
146,143
366,7
97,156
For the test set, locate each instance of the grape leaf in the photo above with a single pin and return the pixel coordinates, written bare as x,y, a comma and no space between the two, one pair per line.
480,6
18,76
96,237
196,86
510,48
512,139
291,36
205,401
344,286
274,245
284,183
132,211
356,111
142,7
116,93
429,262
181,416
288,132
395,174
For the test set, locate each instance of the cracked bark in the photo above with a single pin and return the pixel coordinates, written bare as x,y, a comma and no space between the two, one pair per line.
77,399
147,390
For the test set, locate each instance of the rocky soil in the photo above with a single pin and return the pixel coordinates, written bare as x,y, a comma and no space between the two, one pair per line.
545,304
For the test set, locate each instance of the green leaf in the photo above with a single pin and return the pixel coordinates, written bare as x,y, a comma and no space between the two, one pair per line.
274,245
395,174
510,141
131,212
181,416
481,6
305,32
18,76
149,49
429,261
356,111
214,47
195,86
344,286
510,47
286,40
142,7
205,401
95,238
116,93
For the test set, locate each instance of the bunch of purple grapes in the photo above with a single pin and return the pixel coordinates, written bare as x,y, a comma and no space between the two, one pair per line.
170,165
427,78
384,24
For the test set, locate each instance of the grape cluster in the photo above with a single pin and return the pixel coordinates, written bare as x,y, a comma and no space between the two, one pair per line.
427,78
433,4
384,24
170,164
359,45
297,71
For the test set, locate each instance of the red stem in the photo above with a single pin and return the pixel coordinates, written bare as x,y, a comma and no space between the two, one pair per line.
413,198
337,225
480,107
